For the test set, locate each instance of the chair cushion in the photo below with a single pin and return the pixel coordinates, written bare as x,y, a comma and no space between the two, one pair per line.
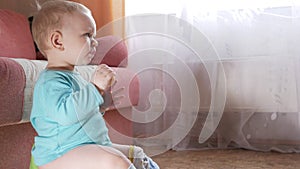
16,40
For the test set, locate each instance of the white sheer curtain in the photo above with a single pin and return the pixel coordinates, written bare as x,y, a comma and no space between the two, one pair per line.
215,74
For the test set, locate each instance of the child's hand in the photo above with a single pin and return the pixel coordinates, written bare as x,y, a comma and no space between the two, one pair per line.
111,99
103,78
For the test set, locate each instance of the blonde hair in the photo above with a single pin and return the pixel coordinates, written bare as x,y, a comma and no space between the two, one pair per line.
49,18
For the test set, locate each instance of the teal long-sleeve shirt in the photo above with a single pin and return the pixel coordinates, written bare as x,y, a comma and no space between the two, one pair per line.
65,114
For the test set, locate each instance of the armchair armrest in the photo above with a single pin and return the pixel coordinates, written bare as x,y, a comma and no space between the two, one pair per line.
12,84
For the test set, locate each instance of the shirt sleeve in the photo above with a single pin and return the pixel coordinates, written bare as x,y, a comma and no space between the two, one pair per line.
68,106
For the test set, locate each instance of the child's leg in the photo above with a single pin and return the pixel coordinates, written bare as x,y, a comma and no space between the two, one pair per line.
90,157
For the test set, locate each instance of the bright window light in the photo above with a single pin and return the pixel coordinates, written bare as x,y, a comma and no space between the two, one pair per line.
151,6
173,6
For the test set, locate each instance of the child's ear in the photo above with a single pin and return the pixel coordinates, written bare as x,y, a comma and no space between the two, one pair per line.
56,40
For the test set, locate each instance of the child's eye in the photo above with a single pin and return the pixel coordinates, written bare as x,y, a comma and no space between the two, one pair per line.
88,35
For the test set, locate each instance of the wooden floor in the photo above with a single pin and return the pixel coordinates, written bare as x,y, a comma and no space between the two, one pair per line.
227,159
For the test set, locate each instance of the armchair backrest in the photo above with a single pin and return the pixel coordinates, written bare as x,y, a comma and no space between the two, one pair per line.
16,40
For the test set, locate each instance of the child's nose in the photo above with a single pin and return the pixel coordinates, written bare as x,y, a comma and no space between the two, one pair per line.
94,42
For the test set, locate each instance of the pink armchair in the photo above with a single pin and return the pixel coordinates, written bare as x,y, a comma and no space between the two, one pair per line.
19,69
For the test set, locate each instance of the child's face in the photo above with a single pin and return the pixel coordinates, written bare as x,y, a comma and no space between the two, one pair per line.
78,35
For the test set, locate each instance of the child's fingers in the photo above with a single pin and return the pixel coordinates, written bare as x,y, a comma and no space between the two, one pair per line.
112,81
116,92
109,75
101,66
